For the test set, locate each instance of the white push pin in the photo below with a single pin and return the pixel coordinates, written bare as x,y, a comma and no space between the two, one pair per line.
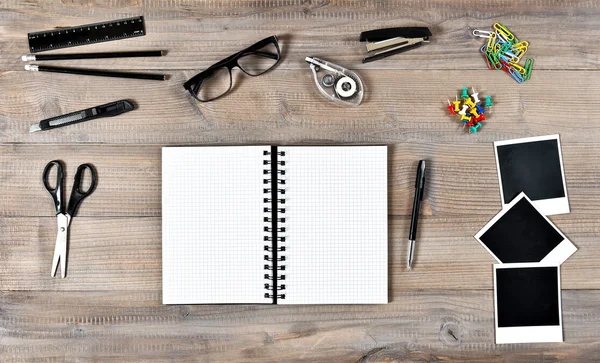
474,95
463,112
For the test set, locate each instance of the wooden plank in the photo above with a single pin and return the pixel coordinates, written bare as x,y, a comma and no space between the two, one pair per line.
134,327
125,254
286,107
200,33
462,179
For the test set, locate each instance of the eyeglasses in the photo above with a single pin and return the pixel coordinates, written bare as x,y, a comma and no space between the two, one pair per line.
216,81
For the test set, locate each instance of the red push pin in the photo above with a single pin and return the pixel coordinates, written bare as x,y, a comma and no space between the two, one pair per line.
480,118
450,108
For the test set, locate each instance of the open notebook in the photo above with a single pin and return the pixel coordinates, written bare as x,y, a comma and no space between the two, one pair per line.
266,224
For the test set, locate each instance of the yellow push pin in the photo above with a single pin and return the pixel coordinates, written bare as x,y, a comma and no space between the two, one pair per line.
468,102
474,112
456,105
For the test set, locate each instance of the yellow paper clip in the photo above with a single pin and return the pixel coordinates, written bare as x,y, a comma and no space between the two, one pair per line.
524,44
507,34
518,68
491,41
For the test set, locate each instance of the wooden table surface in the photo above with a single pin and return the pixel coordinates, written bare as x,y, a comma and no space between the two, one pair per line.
109,308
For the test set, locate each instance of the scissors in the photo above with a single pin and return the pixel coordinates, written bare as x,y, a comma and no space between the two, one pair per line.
64,219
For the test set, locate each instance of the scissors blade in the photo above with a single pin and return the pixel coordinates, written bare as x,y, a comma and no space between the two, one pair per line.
60,249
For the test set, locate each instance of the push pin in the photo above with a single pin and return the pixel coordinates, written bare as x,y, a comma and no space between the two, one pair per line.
463,112
456,105
474,95
488,101
480,108
469,103
465,118
465,92
480,118
474,112
473,129
451,108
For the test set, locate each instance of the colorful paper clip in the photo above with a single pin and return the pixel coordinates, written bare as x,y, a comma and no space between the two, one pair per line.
528,68
504,51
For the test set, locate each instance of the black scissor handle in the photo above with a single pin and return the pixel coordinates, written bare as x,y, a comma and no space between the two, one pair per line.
57,191
77,195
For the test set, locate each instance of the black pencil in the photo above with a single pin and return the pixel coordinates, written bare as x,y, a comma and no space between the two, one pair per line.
95,72
43,57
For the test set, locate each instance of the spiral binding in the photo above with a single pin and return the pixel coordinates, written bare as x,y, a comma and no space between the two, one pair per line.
274,196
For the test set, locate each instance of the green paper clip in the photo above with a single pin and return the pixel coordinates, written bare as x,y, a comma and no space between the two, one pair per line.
528,68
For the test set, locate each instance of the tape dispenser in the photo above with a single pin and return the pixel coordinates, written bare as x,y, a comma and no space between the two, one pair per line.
336,83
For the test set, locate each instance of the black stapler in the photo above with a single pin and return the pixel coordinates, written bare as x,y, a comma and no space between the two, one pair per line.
382,43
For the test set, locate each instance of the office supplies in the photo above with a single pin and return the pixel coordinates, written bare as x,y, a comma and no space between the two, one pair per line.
414,219
274,224
86,34
216,81
450,108
336,82
521,233
467,101
465,93
134,54
533,165
503,50
527,303
473,129
107,110
480,109
475,95
456,105
382,43
95,72
64,219
472,111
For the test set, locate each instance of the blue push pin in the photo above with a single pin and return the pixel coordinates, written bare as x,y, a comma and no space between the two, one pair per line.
480,109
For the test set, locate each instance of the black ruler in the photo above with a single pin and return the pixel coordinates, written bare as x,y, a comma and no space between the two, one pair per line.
86,34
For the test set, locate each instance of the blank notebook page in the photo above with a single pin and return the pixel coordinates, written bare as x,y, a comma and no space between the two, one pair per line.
336,225
212,225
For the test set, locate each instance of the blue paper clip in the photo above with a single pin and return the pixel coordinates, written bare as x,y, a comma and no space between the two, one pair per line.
516,75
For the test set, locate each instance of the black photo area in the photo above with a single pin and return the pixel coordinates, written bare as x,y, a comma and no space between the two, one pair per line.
533,168
527,296
522,234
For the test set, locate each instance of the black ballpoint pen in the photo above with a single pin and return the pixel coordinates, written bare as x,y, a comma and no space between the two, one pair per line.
419,188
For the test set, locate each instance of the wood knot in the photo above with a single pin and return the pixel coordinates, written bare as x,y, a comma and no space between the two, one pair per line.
451,332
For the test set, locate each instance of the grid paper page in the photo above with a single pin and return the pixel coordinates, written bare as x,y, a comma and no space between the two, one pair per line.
336,225
212,225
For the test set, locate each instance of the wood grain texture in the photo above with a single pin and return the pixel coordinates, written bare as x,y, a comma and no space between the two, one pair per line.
109,308
422,326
